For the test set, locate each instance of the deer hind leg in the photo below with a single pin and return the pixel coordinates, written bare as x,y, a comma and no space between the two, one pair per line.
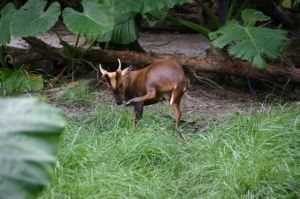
175,103
151,93
138,112
177,113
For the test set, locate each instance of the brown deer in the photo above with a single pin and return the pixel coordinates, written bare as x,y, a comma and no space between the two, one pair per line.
162,80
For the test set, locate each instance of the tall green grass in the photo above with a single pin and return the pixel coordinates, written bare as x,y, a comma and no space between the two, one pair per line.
76,96
252,156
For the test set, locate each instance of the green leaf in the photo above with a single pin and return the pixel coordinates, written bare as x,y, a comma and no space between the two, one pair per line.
250,17
31,19
252,43
7,13
143,6
124,33
125,30
95,18
28,146
121,18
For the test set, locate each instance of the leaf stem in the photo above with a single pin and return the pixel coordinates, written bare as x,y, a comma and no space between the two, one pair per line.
244,5
232,6
202,30
90,45
77,40
58,36
210,13
73,57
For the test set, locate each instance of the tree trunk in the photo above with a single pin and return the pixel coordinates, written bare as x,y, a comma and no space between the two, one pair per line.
211,63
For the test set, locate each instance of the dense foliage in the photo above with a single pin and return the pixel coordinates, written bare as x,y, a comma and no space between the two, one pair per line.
114,21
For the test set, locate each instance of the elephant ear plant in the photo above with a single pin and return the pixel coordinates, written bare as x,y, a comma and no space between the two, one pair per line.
126,30
104,20
29,132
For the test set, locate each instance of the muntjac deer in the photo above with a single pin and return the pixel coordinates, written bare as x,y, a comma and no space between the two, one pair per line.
162,80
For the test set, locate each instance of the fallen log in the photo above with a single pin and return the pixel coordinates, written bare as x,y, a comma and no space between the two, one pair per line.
211,63
208,64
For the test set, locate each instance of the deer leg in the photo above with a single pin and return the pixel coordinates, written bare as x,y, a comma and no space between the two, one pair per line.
151,93
138,112
175,103
177,113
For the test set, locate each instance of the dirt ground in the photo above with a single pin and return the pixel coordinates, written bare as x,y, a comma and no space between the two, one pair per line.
213,103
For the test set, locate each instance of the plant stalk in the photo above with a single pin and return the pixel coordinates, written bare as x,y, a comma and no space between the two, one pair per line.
90,46
77,40
202,30
229,14
244,5
73,57
210,13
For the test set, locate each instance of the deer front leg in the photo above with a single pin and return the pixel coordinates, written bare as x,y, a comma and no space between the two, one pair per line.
138,112
151,93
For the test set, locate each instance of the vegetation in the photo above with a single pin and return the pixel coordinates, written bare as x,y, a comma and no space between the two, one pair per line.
252,156
253,41
76,96
247,42
114,21
101,154
96,19
17,81
29,135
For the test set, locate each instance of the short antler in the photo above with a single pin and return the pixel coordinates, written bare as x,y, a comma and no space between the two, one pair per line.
102,70
119,68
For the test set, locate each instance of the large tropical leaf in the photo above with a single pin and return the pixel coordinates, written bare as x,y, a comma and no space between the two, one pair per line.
143,6
252,43
125,30
124,33
32,19
6,15
95,19
121,18
28,145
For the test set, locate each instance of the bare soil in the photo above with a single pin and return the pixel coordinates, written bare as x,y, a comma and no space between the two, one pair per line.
200,101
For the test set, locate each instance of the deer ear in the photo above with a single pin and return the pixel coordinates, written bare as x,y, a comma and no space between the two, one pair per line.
126,71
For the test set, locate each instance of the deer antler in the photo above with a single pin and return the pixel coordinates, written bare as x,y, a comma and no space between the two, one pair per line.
102,70
119,68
